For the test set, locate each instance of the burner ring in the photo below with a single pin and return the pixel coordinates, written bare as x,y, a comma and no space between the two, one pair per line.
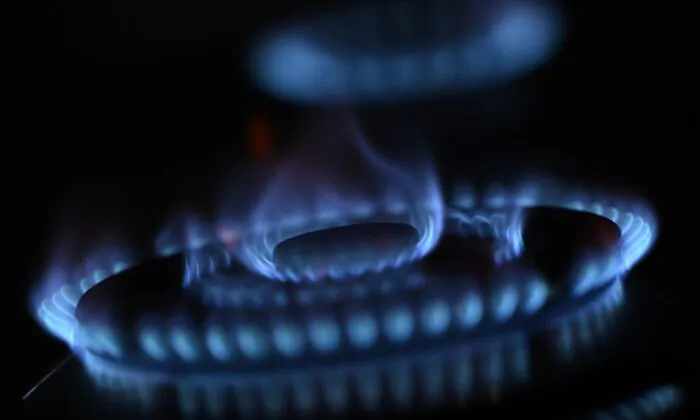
431,311
401,318
57,302
257,250
181,363
199,347
504,226
184,335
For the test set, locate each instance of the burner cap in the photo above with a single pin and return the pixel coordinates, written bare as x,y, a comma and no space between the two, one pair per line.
323,250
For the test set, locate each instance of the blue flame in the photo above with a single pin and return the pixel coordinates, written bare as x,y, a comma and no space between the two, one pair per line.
504,224
653,404
633,216
294,64
384,311
373,320
297,202
186,231
56,297
461,371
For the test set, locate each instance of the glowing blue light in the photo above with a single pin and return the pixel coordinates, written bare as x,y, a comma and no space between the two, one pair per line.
313,332
436,317
387,311
462,371
184,232
469,310
58,297
294,63
576,331
504,227
257,253
655,403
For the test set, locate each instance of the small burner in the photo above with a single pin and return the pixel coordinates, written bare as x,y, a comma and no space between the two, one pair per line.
316,249
346,246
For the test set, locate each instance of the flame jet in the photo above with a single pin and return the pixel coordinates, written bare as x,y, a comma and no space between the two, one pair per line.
337,209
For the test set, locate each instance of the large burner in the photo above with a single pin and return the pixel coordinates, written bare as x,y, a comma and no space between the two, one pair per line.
463,318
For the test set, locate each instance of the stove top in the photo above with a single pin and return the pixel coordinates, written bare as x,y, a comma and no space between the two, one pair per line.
419,222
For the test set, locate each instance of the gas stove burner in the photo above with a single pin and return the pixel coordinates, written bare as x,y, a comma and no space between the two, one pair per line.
229,330
406,49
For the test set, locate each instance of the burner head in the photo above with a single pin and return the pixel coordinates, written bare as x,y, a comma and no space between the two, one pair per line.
356,242
323,251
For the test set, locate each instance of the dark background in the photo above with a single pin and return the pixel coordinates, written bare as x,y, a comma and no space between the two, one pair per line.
134,107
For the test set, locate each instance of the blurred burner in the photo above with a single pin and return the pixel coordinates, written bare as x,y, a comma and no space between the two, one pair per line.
377,51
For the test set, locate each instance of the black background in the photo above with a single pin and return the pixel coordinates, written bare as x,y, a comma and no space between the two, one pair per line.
130,107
